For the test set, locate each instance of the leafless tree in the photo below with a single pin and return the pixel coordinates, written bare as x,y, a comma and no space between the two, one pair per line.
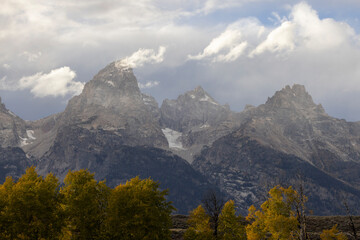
351,223
213,203
300,207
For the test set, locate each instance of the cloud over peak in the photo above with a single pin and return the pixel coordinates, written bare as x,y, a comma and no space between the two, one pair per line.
143,56
301,30
58,82
226,47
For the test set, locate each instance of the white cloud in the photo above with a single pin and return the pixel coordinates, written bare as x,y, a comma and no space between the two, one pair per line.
59,82
227,47
316,33
143,56
211,6
305,30
6,66
233,54
302,29
149,84
280,39
31,57
3,83
227,40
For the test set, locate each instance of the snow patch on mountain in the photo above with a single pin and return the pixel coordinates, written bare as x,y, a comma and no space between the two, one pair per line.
173,137
30,134
206,98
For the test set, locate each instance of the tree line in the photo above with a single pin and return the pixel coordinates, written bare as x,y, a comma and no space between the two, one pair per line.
280,217
37,207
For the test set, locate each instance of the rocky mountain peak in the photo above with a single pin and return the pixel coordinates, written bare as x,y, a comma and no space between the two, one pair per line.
198,95
295,98
113,81
195,108
12,128
114,88
2,106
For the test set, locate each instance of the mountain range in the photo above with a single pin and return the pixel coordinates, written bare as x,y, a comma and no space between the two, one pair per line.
192,144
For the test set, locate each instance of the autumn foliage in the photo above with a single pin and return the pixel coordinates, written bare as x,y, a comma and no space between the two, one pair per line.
36,207
280,217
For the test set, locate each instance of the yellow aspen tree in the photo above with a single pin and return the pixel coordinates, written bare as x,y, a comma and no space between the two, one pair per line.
85,202
332,234
139,210
199,225
276,219
30,208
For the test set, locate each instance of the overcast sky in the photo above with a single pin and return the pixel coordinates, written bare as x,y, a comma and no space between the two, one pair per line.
240,51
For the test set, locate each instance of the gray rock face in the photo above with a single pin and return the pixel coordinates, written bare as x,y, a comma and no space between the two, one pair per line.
110,106
104,153
292,123
199,119
113,129
289,134
13,162
193,109
112,101
151,105
12,128
246,170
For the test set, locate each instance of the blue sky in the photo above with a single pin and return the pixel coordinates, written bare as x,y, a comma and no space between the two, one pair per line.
240,51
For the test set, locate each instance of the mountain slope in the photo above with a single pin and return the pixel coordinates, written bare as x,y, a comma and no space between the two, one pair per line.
197,120
113,129
287,136
247,169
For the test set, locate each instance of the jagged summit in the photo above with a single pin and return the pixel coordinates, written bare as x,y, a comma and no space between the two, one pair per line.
295,98
112,101
113,81
199,94
195,108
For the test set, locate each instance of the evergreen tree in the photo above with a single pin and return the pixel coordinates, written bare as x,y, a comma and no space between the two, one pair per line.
230,227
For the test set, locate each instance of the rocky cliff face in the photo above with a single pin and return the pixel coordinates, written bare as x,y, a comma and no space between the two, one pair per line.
196,119
104,153
287,136
113,129
195,108
13,131
292,123
112,101
247,169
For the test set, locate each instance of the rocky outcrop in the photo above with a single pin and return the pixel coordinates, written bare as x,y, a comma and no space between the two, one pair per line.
292,123
193,109
104,153
113,129
247,170
198,119
112,101
13,162
287,136
12,129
